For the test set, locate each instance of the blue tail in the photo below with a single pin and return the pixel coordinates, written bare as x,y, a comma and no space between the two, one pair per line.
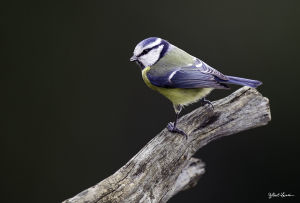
243,81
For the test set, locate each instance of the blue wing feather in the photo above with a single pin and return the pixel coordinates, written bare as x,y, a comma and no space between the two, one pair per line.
198,75
188,77
195,79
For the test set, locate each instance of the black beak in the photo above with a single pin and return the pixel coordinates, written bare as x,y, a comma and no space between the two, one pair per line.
133,58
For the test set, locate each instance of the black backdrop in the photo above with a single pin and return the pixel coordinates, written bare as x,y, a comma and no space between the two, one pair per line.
74,109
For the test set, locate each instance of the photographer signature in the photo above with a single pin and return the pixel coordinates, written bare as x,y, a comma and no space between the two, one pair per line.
279,194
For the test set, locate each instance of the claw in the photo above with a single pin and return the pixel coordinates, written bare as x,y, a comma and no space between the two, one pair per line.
205,101
173,129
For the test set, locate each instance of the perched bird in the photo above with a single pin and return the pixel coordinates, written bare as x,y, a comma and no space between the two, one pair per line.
179,76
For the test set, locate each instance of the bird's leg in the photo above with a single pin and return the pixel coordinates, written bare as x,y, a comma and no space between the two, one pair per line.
205,101
172,126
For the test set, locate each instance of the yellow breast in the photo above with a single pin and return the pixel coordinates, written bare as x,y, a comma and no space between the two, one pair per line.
178,95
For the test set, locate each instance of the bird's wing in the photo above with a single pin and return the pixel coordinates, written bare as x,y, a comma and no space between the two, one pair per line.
198,75
204,68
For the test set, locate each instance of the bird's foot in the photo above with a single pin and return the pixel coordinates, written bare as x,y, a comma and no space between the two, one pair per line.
174,129
205,101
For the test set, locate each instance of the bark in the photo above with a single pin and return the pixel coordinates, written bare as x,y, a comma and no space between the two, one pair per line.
165,166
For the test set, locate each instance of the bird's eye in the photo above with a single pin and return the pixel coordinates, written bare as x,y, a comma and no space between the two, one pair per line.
145,51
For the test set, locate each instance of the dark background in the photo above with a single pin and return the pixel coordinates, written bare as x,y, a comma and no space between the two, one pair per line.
74,109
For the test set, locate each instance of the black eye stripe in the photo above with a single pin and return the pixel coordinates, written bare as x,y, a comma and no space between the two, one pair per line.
146,51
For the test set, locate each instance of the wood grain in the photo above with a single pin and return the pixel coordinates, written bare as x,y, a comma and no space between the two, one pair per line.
165,166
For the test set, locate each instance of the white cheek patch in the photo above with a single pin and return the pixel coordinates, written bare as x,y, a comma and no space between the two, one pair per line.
152,57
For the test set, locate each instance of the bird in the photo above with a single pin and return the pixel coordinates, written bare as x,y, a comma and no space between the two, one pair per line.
179,76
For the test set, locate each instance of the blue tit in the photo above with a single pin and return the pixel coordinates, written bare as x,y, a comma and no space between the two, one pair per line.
179,76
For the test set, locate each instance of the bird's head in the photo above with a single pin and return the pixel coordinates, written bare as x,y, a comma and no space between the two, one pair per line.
149,51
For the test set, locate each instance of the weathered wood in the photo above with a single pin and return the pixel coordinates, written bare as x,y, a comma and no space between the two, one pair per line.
165,165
